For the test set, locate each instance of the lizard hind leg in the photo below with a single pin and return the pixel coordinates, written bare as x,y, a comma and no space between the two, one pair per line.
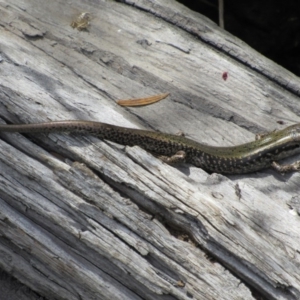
178,157
294,167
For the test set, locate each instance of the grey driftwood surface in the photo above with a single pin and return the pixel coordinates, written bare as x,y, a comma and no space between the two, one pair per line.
82,218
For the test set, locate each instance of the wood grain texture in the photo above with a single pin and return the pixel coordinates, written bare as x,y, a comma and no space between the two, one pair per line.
81,218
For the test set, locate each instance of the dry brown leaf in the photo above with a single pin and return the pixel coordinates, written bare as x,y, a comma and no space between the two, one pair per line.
142,101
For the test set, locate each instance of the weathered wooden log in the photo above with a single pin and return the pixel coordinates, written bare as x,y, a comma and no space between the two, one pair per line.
82,218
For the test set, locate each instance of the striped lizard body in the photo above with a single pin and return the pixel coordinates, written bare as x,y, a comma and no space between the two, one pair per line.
244,158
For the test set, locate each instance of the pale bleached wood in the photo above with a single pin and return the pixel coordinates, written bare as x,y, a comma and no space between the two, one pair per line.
104,229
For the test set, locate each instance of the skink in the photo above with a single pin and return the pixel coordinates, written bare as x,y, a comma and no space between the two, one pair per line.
245,158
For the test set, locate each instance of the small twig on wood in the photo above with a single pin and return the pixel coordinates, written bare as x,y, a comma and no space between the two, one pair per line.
221,13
